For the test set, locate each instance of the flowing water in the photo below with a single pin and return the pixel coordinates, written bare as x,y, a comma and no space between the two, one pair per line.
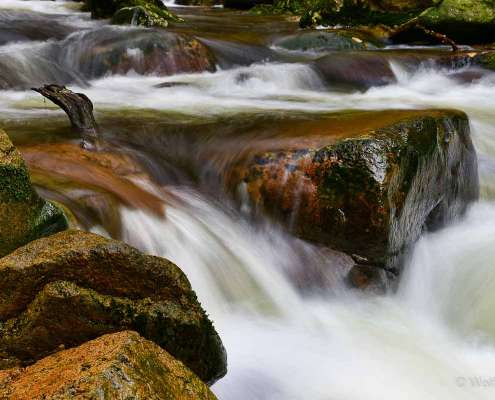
291,328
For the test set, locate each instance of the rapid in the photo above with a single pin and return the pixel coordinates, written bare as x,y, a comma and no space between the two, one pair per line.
291,327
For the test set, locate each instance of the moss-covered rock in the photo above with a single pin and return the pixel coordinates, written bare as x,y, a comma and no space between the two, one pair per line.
365,183
360,12
116,366
486,60
467,21
136,12
138,15
325,41
109,286
24,216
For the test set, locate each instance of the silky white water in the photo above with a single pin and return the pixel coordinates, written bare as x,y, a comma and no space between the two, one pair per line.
433,339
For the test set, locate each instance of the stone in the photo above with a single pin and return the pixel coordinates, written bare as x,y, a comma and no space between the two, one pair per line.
74,286
147,12
121,365
24,215
366,183
111,50
324,41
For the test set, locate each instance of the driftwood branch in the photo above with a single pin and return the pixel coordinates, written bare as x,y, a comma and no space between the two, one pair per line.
78,108
414,24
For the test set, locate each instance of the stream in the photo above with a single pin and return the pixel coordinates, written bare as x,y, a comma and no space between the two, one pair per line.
291,328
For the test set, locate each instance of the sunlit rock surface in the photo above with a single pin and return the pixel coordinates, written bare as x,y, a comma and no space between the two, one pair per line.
367,183
75,286
115,366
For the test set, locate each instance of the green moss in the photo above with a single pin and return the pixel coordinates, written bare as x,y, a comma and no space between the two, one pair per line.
24,216
467,21
140,12
350,12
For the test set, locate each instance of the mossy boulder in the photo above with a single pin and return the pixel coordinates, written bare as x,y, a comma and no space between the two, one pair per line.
367,183
139,16
486,60
112,50
136,12
325,41
24,216
74,286
360,12
466,21
122,365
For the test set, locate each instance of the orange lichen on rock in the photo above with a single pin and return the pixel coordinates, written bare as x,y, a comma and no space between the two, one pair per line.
122,365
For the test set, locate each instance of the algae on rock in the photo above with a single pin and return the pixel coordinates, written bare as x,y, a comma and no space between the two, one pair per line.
75,286
137,12
366,183
24,216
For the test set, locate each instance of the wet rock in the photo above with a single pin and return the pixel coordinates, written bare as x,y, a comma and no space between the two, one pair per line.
16,26
138,15
74,286
113,50
122,365
356,70
109,172
324,41
486,60
367,277
232,54
135,12
24,216
361,70
365,183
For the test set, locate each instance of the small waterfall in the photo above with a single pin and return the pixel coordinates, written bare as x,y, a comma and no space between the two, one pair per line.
332,341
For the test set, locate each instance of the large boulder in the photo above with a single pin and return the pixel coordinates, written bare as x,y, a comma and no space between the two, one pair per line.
24,216
466,21
113,50
367,183
74,286
116,366
361,70
361,12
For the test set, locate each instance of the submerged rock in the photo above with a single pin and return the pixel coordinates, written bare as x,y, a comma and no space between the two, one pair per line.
323,41
21,26
365,183
113,50
24,216
74,286
116,366
361,70
355,70
108,172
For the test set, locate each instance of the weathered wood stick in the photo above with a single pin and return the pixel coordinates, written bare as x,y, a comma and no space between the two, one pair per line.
414,24
78,108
